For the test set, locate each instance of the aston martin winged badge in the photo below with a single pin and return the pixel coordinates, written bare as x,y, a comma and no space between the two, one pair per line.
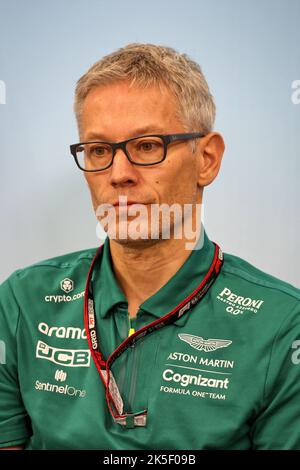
201,344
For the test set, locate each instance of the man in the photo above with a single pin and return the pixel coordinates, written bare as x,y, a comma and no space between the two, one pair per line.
173,345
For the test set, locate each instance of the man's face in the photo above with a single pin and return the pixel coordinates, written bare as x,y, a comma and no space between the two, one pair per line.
115,113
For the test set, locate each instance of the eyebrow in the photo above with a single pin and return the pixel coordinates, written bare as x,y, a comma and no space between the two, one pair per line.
137,132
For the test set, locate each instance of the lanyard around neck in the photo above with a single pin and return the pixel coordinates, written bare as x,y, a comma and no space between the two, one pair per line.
113,396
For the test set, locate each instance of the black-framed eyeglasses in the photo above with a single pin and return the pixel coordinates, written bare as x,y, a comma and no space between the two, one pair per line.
144,150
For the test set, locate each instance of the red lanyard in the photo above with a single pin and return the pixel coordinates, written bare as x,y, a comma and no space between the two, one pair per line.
113,397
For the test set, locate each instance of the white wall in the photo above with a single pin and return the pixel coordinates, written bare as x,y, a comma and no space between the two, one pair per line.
249,51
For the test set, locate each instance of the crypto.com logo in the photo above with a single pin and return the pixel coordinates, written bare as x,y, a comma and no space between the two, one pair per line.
2,92
67,285
2,352
151,221
295,97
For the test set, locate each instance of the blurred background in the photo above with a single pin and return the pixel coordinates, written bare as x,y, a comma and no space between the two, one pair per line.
249,52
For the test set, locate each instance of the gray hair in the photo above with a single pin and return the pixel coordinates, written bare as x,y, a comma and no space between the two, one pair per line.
148,65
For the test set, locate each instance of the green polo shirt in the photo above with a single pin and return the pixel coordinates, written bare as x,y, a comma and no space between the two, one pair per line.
226,375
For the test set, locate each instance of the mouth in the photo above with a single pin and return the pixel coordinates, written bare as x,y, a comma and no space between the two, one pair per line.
127,203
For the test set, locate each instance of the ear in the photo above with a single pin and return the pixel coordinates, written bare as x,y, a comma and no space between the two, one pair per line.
210,152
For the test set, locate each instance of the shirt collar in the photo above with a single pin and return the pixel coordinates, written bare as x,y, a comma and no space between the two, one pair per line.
108,294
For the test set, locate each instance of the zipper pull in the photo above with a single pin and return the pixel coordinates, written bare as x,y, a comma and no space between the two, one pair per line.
131,330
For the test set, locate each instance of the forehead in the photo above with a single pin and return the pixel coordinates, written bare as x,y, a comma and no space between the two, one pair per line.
117,108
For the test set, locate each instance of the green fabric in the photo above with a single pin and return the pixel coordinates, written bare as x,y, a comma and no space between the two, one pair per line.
239,393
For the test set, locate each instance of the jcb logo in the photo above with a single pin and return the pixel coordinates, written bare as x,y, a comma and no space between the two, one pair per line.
63,357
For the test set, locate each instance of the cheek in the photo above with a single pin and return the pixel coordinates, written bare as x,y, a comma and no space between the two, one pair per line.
93,186
180,188
184,178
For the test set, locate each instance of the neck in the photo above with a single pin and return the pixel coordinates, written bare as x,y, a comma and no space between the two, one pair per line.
142,270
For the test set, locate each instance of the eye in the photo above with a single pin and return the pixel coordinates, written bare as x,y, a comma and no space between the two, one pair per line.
99,150
148,145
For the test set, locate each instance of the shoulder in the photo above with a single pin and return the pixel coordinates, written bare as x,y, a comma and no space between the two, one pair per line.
244,290
28,291
245,271
61,261
67,265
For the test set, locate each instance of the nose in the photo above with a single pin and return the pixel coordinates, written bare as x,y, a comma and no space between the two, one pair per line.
122,171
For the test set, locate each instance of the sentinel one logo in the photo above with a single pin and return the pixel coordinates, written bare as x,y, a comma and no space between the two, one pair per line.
61,389
207,345
238,304
63,357
60,375
67,285
69,332
185,379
